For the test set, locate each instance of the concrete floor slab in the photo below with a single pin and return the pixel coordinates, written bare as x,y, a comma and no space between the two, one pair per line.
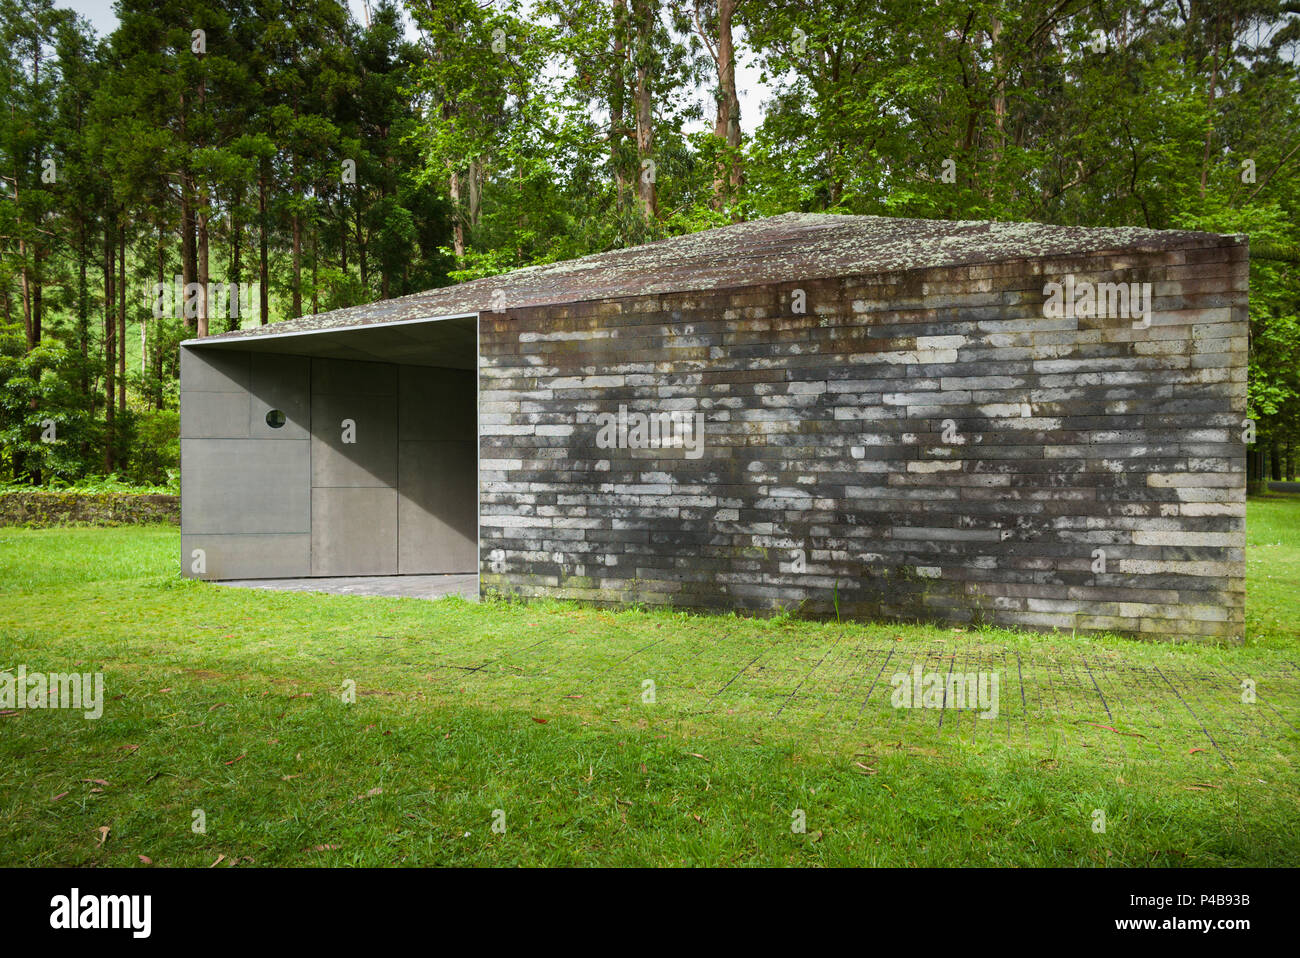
409,586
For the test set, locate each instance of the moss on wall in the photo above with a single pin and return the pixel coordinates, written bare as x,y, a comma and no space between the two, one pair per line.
45,507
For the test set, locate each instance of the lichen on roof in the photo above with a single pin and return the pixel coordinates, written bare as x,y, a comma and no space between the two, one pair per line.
790,247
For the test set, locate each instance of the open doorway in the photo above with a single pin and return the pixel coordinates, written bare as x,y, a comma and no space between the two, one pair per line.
394,469
376,463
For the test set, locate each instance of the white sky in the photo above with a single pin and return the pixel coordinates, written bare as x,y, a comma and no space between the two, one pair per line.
102,17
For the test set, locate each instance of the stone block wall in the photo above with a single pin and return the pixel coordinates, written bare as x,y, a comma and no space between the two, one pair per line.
929,444
39,508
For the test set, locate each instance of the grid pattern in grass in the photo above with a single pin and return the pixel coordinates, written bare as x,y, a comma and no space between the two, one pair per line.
842,688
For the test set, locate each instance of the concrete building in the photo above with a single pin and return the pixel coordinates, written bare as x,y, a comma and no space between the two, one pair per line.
1011,423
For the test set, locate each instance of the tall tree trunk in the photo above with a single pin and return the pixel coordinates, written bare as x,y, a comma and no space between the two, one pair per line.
343,243
121,320
156,364
297,265
189,256
25,285
617,96
1255,469
727,53
235,280
475,185
646,15
263,291
24,281
315,296
457,221
728,175
37,306
999,98
204,211
38,302
297,240
83,324
361,259
110,344
83,308
1209,107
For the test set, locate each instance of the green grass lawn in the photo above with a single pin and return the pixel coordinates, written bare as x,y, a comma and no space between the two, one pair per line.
230,701
1273,572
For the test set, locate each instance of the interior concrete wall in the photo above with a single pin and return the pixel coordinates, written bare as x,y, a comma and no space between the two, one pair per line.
303,500
245,487
437,506
353,483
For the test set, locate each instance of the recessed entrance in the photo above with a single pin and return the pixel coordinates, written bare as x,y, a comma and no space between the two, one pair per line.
357,454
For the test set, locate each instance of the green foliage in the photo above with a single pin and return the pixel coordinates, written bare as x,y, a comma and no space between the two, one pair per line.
154,451
46,434
495,136
92,484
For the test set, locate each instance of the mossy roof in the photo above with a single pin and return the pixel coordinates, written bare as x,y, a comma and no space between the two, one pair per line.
792,247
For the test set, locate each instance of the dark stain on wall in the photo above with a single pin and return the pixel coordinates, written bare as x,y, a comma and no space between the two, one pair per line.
924,444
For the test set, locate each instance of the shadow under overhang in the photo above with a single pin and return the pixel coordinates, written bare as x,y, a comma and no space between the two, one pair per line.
449,342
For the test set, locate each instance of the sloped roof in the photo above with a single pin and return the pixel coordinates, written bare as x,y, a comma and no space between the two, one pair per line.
789,247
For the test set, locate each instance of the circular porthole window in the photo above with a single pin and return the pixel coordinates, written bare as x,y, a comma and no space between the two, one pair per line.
275,419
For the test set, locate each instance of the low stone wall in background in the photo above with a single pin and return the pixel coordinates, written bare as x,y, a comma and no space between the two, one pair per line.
46,507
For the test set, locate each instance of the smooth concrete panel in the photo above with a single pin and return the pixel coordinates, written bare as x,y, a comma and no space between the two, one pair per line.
348,378
354,531
213,371
372,459
245,485
279,382
298,501
247,556
210,415
437,510
436,403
